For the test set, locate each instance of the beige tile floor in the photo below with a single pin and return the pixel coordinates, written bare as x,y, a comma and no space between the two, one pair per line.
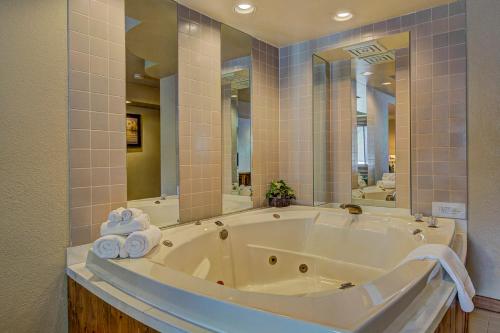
481,321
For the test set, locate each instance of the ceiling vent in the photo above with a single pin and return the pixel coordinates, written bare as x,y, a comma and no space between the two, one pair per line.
365,49
379,58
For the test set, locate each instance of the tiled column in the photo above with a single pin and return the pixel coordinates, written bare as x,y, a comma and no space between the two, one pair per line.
265,119
200,156
322,131
227,145
295,116
97,114
342,129
402,168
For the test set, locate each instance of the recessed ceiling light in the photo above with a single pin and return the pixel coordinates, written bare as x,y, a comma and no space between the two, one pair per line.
367,73
386,83
244,8
343,15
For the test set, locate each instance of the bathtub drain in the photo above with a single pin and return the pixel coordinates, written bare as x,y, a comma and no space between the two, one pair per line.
273,260
303,268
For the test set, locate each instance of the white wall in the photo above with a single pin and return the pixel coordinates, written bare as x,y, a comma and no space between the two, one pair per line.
244,145
169,136
34,224
483,70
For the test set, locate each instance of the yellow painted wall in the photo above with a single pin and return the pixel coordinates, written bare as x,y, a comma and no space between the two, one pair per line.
144,164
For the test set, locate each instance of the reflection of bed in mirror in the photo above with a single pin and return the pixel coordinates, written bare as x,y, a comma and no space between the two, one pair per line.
384,190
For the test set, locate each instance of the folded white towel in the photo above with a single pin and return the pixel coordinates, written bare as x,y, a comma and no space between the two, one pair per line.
128,214
115,216
453,266
110,246
138,223
139,243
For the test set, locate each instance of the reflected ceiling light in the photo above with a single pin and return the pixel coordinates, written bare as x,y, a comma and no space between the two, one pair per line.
128,102
386,83
343,15
234,96
138,76
367,73
244,8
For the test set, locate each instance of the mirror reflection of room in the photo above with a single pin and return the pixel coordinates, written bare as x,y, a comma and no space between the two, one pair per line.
360,126
374,84
236,50
151,124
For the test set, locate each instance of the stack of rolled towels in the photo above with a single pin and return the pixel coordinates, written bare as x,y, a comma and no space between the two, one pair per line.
127,233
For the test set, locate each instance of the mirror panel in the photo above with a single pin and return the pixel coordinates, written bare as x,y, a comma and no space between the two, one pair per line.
152,112
361,125
374,140
236,49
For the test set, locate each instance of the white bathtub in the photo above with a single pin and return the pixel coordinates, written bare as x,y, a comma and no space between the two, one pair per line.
165,211
235,203
162,211
258,296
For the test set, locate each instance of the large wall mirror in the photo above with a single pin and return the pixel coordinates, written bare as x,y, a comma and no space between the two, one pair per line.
236,49
151,124
361,123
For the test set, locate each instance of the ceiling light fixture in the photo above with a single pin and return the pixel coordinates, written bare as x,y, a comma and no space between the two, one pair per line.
367,73
386,83
343,15
244,8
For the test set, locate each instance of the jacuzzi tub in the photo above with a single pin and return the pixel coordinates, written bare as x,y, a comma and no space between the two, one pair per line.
161,211
303,270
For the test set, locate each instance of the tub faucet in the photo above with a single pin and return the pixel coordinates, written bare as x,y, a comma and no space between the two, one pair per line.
352,208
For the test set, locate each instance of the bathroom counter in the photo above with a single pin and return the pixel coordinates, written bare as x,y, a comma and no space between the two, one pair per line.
424,314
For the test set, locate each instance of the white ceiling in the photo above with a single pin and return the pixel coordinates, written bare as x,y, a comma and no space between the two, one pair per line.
284,22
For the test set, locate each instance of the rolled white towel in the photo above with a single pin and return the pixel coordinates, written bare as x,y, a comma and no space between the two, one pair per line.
138,223
110,246
139,243
115,216
128,214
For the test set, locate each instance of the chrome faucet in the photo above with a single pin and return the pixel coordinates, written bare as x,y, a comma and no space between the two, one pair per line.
352,208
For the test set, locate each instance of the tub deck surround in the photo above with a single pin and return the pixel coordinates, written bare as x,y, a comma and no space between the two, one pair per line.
261,296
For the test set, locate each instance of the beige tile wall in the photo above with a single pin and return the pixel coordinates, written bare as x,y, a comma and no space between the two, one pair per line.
227,140
265,119
438,132
295,118
97,114
322,131
200,158
402,169
342,132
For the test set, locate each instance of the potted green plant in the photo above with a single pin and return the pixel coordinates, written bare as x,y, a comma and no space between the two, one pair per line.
280,194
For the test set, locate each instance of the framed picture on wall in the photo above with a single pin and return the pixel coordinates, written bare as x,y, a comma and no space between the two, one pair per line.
134,133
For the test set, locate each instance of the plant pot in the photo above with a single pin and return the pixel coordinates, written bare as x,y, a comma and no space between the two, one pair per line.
279,202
